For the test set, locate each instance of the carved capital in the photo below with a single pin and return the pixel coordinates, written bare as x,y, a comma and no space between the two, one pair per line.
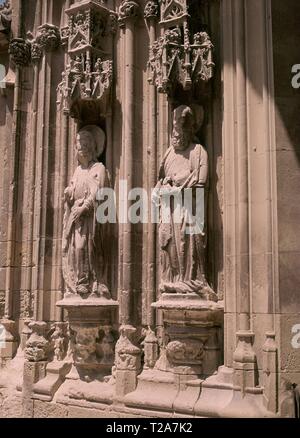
128,10
151,9
19,50
47,39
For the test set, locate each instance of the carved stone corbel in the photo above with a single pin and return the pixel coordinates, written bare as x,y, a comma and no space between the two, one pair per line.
47,39
24,51
20,51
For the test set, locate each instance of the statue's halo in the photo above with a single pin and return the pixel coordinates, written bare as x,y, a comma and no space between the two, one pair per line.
98,135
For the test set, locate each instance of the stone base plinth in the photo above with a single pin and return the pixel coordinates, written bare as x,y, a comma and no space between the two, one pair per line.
191,352
193,332
92,337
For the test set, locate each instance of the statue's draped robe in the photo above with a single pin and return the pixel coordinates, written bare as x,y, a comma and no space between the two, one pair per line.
84,261
183,255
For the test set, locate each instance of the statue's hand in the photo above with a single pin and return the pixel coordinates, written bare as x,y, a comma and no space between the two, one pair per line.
77,212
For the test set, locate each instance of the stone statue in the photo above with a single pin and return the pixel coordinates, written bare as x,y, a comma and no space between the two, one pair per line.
185,166
84,247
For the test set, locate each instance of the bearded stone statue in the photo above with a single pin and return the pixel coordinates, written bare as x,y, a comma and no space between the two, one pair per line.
84,239
185,166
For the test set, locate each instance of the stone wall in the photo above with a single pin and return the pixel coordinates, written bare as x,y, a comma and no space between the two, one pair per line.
245,364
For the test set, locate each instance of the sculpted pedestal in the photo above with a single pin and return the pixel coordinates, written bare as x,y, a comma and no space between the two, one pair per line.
92,341
191,351
193,334
91,350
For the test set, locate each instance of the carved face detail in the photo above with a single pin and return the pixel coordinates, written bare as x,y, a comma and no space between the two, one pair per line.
86,147
182,127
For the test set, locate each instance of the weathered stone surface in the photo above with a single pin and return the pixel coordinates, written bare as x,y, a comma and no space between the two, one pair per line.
183,93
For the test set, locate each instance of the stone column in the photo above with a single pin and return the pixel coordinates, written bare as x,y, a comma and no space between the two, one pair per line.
127,14
34,129
20,50
250,250
65,130
151,14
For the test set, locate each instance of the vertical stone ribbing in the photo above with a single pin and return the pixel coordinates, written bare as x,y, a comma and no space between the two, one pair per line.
127,267
14,166
250,253
152,179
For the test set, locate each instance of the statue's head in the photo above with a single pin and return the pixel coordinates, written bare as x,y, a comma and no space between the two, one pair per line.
187,121
89,144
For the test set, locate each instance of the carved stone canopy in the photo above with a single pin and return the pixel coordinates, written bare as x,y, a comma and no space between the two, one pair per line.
182,55
88,73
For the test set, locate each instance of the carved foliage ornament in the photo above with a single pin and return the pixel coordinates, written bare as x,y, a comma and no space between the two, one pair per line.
23,51
47,39
20,51
151,9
